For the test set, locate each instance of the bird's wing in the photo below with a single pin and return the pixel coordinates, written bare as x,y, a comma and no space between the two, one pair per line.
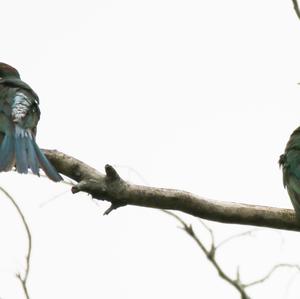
292,163
22,105
18,106
18,83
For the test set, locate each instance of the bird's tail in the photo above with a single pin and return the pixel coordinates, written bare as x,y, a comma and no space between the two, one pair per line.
7,152
21,149
48,168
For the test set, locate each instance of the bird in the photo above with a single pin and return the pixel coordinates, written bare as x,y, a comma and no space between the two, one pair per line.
290,163
19,116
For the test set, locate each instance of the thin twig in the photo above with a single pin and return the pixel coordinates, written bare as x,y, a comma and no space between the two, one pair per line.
189,229
210,254
246,233
23,284
211,233
68,182
23,280
268,275
296,8
46,202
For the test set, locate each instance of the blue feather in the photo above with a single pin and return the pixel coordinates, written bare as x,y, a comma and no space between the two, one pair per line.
32,160
45,164
21,152
7,153
21,149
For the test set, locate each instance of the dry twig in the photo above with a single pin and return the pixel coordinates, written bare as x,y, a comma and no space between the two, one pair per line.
211,256
22,278
245,233
296,8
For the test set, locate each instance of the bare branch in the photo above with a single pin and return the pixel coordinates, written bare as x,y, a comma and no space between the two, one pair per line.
246,233
120,193
268,275
212,237
296,8
210,254
53,198
23,280
23,284
175,216
211,233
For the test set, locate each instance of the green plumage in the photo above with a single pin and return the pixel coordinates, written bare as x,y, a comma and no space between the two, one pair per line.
290,163
19,116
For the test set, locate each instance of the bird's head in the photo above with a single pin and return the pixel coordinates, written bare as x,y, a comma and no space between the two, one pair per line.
7,71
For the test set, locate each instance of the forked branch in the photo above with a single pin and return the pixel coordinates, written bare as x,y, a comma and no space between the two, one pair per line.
210,254
112,188
22,278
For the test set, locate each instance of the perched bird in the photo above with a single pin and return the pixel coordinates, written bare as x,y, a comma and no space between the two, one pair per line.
290,163
19,115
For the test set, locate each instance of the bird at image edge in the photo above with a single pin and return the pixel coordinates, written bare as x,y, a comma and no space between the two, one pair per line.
19,116
290,163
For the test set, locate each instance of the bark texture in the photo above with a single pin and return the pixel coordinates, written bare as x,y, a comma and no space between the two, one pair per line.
111,187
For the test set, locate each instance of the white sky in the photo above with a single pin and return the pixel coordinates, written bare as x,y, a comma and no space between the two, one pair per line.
193,95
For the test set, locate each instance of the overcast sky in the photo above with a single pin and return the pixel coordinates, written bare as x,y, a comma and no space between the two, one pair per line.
194,95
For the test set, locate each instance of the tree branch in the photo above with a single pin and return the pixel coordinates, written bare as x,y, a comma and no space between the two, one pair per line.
246,233
296,8
211,256
110,187
23,280
268,275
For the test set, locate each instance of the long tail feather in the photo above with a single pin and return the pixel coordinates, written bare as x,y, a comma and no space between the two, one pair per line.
27,155
45,164
21,150
7,153
33,163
